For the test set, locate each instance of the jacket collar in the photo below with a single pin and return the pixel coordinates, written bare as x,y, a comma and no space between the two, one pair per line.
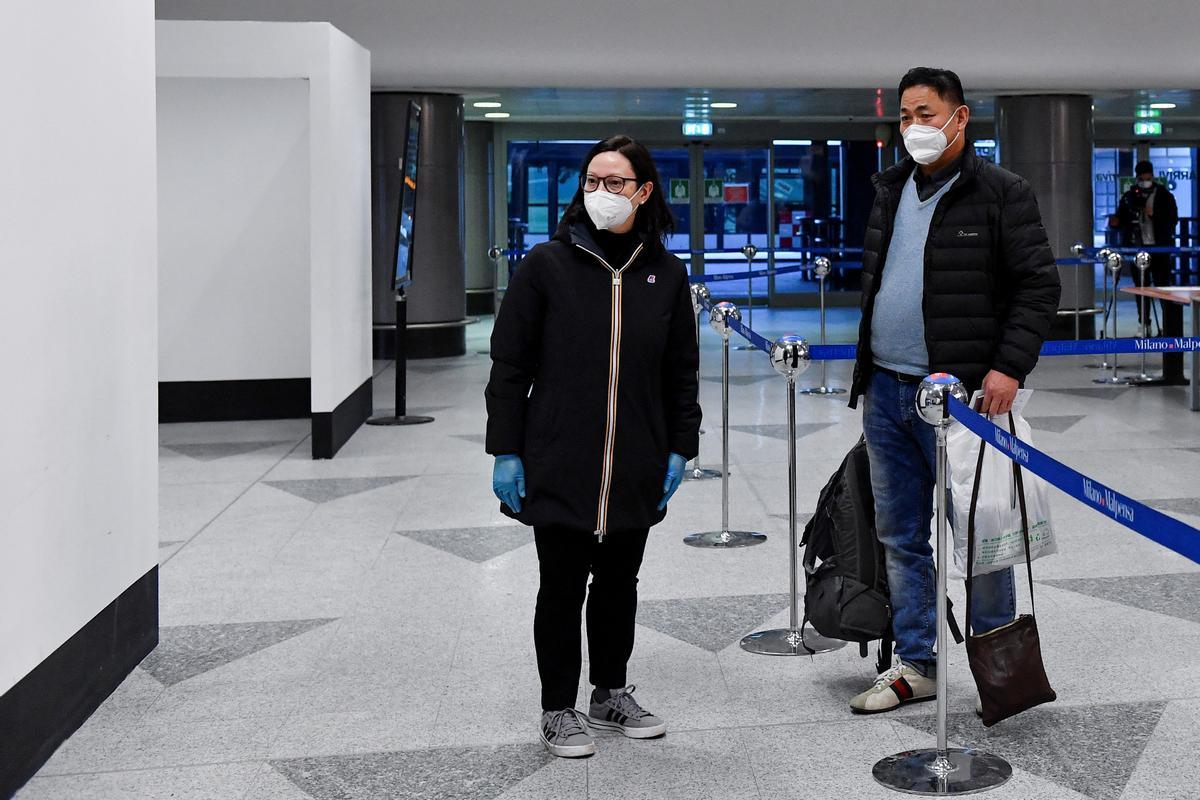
580,234
895,176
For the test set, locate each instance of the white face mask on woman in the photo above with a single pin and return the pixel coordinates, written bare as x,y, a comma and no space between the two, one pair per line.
607,210
926,143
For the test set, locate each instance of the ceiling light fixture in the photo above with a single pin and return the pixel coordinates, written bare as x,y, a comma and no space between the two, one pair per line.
1163,106
487,104
722,105
497,115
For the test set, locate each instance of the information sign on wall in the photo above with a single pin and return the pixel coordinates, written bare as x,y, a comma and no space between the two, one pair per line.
680,191
737,193
714,191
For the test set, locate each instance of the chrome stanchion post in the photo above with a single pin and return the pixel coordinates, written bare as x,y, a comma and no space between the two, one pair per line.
1077,251
1142,262
1103,256
942,770
790,357
1113,266
495,253
821,268
749,251
700,294
721,314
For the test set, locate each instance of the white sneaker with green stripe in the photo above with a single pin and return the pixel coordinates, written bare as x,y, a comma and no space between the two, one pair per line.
621,713
897,686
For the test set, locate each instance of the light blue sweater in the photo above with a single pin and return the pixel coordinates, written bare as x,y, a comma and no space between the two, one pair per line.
898,321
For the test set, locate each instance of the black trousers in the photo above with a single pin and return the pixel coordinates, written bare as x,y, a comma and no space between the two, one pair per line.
566,557
1172,313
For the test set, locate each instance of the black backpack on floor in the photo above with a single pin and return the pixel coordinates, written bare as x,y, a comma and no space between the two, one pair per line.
846,593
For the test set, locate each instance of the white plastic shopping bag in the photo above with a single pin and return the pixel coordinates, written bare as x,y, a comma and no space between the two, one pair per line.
998,540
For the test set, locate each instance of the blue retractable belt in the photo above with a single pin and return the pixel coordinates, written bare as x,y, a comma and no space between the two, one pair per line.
1154,525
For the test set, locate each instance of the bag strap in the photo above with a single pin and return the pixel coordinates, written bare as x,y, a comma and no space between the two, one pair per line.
1012,426
1020,488
971,530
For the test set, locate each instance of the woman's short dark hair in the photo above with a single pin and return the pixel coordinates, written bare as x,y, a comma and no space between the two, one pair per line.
654,216
943,81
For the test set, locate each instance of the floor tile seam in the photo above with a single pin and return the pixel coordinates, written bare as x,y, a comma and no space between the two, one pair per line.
155,768
750,765
365,587
231,503
442,693
294,532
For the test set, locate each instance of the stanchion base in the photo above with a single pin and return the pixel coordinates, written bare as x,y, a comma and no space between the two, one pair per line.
1101,365
789,642
964,771
724,539
822,390
699,474
1113,381
393,420
1152,380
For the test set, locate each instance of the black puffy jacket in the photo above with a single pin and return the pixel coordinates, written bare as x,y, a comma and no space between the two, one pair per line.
991,285
593,381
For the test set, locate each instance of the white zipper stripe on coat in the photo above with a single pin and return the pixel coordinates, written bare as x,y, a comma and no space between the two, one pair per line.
614,368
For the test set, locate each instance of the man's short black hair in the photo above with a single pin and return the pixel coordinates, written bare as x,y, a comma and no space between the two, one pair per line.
943,81
1143,168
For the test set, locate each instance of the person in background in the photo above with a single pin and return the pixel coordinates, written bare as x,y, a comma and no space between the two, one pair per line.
958,277
592,415
1147,217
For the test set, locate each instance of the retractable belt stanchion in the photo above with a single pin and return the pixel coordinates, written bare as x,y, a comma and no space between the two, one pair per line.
942,771
822,267
1113,267
1104,256
495,253
697,473
721,314
749,251
1077,251
1142,262
790,357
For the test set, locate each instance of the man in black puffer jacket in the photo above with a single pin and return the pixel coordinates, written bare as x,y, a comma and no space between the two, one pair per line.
958,277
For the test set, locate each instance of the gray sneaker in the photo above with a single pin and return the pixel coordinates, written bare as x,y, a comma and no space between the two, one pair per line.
565,734
622,713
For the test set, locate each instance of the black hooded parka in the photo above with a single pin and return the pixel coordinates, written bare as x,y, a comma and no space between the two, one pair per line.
593,381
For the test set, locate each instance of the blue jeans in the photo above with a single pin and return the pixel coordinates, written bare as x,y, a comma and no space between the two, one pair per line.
902,448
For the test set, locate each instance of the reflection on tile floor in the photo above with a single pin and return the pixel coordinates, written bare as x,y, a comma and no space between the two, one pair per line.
361,627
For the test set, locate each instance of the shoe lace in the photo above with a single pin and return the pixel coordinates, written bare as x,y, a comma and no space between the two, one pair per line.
566,723
888,677
623,701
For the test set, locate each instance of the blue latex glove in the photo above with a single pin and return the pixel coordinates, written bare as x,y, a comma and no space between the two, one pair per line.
508,481
675,466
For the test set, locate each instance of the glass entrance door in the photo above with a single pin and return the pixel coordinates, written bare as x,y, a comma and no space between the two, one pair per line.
734,191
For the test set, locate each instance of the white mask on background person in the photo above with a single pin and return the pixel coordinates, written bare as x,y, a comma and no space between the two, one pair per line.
926,143
1145,184
607,210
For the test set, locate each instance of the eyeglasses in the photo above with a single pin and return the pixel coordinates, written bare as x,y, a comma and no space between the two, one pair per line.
614,184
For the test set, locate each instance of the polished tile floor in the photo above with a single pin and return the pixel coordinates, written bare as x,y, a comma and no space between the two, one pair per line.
361,627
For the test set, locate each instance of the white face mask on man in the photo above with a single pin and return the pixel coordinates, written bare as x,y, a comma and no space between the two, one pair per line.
607,210
1145,184
926,143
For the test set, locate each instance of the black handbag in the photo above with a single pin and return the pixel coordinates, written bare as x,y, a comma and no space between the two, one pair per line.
1006,662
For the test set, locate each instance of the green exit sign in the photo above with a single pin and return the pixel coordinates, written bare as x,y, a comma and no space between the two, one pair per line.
1147,128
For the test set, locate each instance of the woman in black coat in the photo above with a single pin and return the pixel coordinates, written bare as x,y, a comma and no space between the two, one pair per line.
592,415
